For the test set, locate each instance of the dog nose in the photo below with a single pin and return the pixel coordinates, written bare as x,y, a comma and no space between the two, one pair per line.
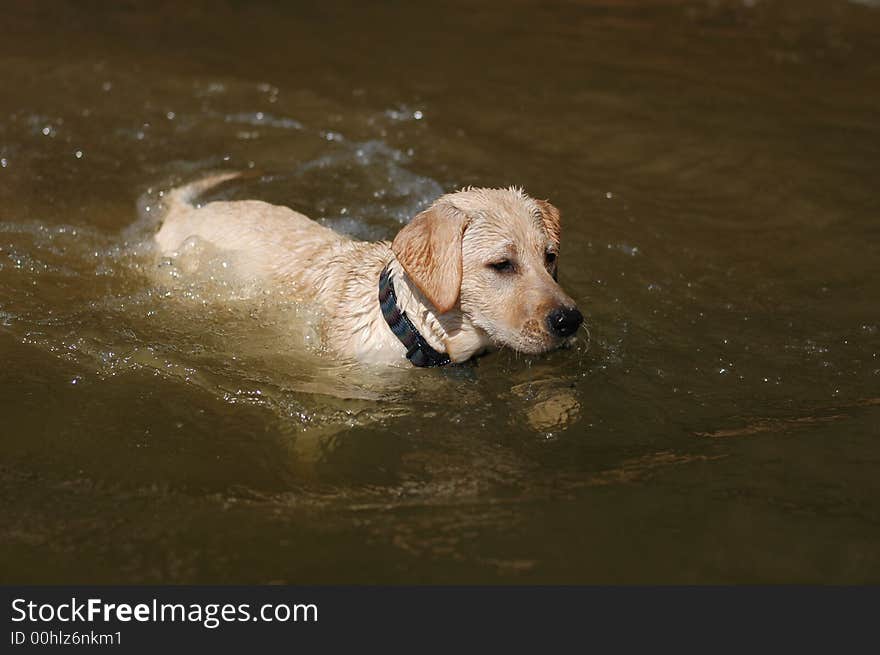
564,321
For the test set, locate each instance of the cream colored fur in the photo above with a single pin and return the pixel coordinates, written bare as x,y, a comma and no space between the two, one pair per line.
440,263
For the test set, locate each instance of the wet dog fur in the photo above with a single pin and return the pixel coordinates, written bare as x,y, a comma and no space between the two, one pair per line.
474,271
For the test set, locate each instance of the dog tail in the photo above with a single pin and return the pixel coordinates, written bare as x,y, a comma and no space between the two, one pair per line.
183,196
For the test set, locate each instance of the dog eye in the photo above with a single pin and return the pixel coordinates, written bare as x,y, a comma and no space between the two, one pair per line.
550,258
503,266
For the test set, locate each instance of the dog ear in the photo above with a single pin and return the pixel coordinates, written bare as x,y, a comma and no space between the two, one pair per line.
550,218
429,249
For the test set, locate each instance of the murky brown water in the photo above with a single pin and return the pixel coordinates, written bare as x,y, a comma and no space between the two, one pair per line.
717,167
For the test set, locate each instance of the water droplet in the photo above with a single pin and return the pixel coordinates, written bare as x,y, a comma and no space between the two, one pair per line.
170,115
78,154
418,115
4,162
609,195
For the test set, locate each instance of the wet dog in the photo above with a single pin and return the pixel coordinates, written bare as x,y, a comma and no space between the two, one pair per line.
474,271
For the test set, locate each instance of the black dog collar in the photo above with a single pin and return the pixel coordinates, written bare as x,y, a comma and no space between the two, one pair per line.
418,351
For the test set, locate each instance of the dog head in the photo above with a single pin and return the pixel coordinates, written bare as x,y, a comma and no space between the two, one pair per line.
492,255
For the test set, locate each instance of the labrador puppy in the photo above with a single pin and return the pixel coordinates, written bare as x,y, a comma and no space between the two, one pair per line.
474,271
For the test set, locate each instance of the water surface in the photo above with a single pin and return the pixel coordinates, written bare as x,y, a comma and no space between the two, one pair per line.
716,166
